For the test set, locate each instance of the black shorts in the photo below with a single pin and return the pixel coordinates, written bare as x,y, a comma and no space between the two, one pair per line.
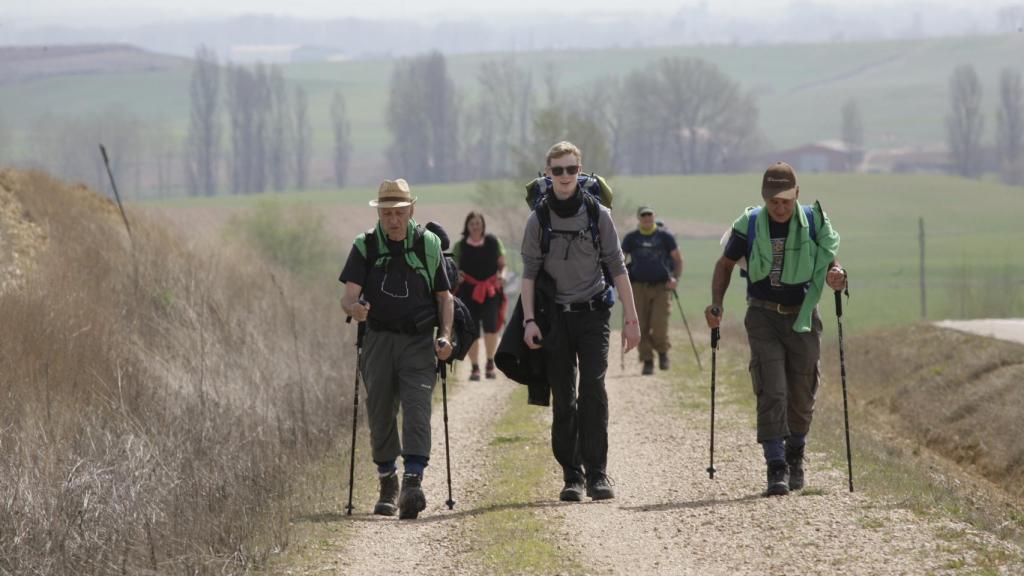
486,313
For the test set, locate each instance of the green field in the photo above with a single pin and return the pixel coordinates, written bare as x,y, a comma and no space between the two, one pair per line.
902,87
974,263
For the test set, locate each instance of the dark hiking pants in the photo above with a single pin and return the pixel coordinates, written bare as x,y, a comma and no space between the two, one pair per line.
579,430
784,371
399,371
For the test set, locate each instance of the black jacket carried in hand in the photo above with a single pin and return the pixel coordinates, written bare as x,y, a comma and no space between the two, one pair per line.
514,358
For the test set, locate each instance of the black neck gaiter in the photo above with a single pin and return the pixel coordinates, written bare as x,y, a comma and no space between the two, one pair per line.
566,208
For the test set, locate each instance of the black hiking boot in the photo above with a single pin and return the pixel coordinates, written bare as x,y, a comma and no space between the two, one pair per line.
663,361
778,476
648,368
489,372
600,488
573,490
387,504
474,375
795,460
412,501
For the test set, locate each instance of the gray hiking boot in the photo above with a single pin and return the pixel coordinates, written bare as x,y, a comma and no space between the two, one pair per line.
387,504
648,368
663,363
600,488
778,477
795,460
412,501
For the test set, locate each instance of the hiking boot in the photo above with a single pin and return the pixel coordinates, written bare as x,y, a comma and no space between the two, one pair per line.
489,370
795,460
474,375
778,476
573,490
648,368
412,501
662,360
600,488
387,504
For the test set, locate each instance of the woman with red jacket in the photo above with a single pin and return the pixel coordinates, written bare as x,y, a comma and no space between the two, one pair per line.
481,260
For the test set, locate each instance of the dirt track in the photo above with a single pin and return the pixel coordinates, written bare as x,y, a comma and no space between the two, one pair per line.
1010,329
669,518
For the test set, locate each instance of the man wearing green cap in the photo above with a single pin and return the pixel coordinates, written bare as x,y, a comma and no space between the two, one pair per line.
790,252
655,265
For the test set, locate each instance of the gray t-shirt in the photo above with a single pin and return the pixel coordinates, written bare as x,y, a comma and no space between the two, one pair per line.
573,261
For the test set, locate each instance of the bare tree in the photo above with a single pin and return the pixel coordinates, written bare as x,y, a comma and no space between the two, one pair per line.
853,131
281,129
202,145
965,123
1010,127
423,119
503,116
342,139
303,138
683,115
248,109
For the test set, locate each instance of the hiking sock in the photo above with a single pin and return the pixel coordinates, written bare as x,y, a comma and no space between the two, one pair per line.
414,463
796,440
385,468
773,450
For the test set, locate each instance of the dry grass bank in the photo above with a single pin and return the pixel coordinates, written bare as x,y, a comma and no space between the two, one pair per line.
156,399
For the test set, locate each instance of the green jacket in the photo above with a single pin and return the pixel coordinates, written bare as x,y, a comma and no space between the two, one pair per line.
432,251
804,260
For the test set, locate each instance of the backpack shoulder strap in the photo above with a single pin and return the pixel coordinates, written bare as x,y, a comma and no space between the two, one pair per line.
809,212
544,219
593,216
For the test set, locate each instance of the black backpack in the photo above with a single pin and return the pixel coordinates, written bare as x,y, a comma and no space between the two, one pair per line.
465,330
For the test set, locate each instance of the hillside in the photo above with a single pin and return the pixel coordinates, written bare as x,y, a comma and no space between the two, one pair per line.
901,86
29,63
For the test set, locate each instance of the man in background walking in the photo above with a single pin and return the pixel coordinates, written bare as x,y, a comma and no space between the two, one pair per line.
655,265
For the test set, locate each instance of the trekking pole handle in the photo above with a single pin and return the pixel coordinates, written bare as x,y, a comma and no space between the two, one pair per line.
839,303
715,334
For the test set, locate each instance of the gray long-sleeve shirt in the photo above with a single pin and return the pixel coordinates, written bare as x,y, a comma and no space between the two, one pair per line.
572,260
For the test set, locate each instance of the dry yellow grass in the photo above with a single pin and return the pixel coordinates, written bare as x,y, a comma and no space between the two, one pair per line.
156,398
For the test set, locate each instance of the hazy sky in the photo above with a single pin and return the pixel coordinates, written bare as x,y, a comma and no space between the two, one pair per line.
121,12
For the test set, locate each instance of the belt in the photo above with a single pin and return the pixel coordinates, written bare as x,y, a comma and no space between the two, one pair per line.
587,306
773,306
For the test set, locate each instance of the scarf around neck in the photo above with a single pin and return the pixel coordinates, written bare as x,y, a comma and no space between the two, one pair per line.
566,208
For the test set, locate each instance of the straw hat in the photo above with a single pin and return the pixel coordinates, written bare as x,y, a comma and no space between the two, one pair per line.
393,194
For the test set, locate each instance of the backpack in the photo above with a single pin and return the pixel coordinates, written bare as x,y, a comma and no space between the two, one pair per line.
465,330
752,230
591,202
539,189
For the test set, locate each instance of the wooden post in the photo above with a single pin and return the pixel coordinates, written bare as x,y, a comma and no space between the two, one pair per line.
920,237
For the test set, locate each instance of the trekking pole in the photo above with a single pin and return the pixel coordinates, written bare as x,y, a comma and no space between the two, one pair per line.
688,333
715,334
360,331
442,370
842,371
622,344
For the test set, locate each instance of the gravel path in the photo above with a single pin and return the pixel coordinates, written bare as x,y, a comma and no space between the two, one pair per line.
426,545
1011,329
669,518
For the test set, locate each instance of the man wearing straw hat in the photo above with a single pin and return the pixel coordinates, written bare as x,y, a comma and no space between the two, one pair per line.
402,298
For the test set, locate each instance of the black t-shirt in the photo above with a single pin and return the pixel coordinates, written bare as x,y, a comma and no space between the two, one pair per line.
480,262
395,291
650,259
771,287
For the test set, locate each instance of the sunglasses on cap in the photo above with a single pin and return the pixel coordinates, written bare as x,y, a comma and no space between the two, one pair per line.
570,170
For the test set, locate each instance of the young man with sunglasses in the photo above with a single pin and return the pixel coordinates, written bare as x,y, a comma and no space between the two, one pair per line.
401,299
579,330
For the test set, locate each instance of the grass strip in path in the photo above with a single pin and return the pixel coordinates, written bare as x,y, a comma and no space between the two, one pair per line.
506,536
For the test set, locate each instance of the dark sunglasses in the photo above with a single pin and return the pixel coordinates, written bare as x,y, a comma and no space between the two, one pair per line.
570,170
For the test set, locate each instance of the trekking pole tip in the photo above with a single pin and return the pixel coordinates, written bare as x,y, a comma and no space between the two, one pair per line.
711,472
451,504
